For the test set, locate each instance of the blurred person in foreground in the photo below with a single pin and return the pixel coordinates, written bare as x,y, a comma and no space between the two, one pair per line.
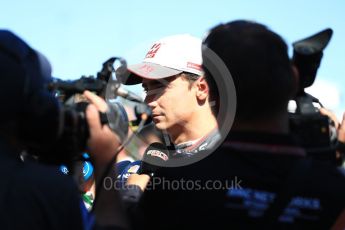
33,195
258,178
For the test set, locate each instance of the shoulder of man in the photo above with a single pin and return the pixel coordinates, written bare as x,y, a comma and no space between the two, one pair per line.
208,142
43,198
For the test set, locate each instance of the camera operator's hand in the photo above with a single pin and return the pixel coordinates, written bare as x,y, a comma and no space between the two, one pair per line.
102,142
340,127
139,180
341,130
103,145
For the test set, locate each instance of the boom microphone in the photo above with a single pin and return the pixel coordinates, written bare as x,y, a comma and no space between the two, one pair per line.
92,84
120,91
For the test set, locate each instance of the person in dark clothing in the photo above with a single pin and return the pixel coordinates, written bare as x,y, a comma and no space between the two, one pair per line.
258,178
35,196
32,195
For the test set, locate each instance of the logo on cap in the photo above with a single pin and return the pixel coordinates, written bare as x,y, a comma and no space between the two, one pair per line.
193,66
146,69
152,52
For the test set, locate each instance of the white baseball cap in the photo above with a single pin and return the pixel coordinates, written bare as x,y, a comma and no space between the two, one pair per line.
167,57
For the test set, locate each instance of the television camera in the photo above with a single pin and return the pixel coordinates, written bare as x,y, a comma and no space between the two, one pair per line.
75,132
314,131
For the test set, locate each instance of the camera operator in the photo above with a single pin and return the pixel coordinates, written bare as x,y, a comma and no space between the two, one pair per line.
32,195
267,180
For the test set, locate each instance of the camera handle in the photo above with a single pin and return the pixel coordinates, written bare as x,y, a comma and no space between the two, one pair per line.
305,105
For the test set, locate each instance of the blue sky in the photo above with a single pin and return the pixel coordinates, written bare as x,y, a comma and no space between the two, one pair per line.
78,36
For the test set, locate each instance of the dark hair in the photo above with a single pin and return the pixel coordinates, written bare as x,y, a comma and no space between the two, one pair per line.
191,77
34,111
258,61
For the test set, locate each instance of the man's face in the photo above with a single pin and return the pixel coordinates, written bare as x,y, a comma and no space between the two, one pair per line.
173,102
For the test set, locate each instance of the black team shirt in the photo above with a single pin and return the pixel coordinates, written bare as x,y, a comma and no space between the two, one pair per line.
234,187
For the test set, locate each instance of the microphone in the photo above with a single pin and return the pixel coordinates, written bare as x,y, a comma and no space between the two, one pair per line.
92,84
120,91
155,157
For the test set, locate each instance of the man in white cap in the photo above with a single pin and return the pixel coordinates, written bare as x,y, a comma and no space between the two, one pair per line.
181,99
183,102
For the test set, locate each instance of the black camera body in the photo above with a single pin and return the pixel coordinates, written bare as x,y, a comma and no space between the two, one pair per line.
74,130
311,129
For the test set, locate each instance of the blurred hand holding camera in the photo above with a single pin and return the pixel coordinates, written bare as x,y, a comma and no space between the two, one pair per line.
340,133
341,130
102,143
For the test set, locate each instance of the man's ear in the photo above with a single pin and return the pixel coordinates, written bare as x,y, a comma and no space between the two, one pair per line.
202,89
